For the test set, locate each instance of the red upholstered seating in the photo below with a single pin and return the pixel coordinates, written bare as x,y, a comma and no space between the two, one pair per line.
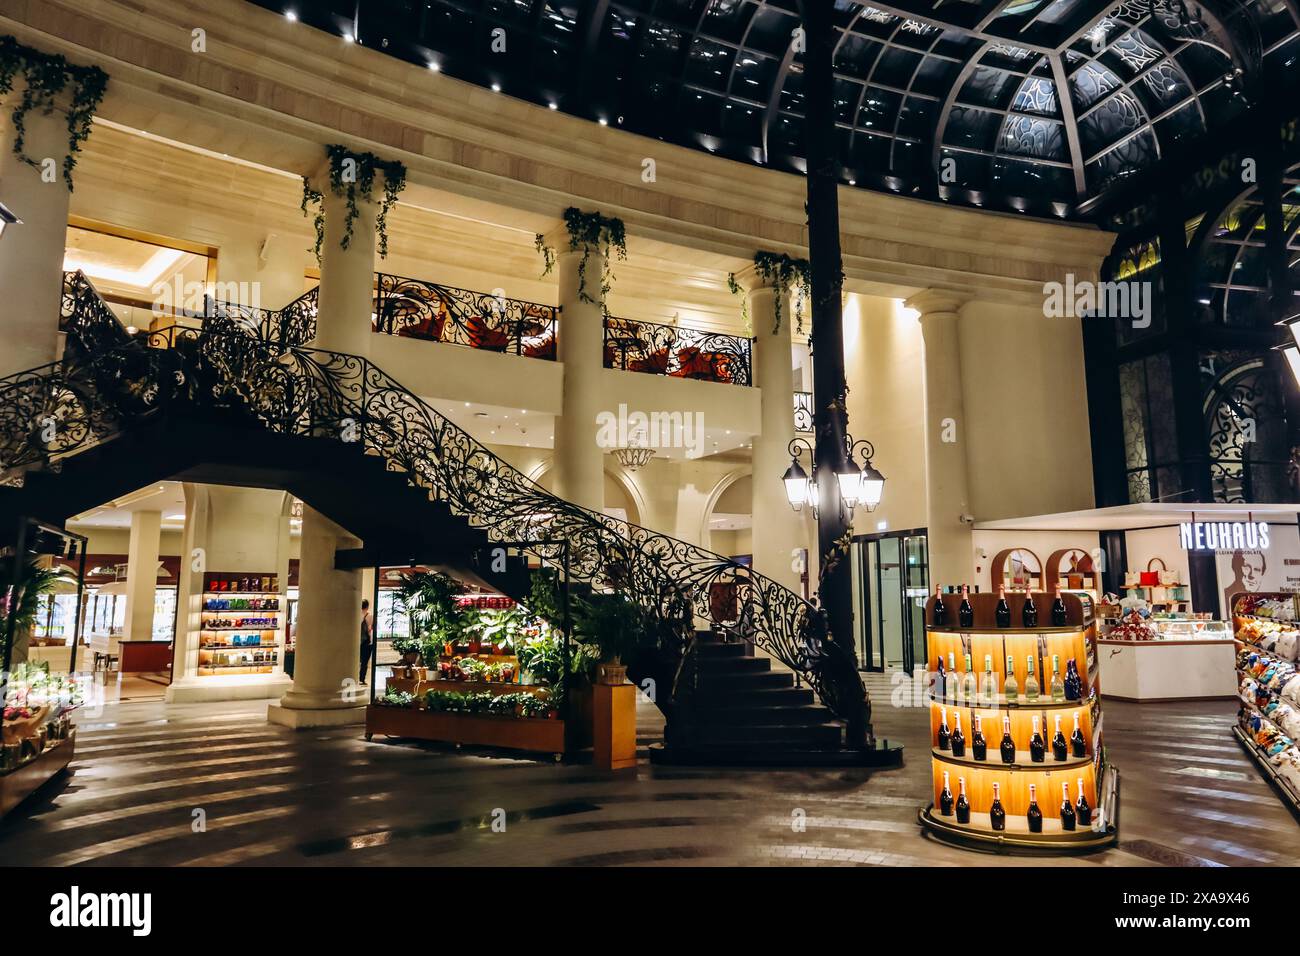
482,337
656,363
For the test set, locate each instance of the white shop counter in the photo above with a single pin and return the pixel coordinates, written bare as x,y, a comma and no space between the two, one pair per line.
1187,660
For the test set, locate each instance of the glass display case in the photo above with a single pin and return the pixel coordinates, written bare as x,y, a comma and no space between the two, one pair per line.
1190,630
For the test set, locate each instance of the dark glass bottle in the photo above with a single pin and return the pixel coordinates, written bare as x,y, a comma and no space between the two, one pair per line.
979,747
1034,814
944,735
1082,811
1037,746
940,612
1078,746
963,805
940,680
1067,810
1058,612
997,815
945,797
1008,746
958,738
1060,749
1073,684
965,612
1003,612
1029,613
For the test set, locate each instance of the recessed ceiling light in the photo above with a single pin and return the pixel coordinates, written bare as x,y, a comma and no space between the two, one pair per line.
434,66
496,87
603,121
553,105
348,38
291,16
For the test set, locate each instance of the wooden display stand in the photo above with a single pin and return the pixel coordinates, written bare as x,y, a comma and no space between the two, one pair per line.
538,735
614,726
19,784
1077,641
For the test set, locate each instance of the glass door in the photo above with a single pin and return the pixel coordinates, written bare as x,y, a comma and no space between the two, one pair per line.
890,581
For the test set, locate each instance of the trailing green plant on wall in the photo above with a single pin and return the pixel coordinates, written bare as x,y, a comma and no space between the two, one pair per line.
588,231
46,77
784,273
352,177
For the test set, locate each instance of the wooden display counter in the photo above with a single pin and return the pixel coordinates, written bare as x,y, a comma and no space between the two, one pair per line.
533,734
144,657
19,784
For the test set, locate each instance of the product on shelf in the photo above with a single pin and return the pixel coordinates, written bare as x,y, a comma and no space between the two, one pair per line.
1068,816
1037,746
1003,612
1268,724
958,738
963,804
1060,749
978,745
966,612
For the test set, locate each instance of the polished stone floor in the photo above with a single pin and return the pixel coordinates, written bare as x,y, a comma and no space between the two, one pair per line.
216,785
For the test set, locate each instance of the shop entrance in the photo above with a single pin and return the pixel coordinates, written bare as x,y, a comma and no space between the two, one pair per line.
890,582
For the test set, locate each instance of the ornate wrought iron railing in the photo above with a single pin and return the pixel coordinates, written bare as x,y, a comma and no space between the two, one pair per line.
290,327
321,394
418,309
803,411
86,319
682,353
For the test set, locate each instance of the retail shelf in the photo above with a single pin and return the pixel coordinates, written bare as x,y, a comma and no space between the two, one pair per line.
1023,760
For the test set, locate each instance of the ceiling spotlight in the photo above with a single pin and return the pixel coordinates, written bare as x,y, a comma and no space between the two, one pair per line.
349,38
603,121
553,105
291,16
434,66
496,87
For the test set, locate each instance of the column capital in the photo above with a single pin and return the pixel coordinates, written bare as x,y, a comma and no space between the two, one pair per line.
751,280
932,301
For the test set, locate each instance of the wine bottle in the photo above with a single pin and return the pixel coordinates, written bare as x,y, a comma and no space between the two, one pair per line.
940,681
944,735
958,738
1058,611
997,815
1008,746
1031,682
1037,746
979,747
1067,810
1029,613
1059,747
1078,745
963,805
945,797
940,612
1034,814
968,691
1057,685
1003,612
1081,809
953,688
989,683
1009,687
965,613
1073,684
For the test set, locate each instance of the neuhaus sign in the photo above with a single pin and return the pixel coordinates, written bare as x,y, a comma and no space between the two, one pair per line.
1224,535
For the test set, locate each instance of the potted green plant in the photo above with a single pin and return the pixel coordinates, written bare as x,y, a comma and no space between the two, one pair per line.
615,626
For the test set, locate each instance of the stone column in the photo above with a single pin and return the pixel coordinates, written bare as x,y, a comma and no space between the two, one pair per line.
325,690
947,492
579,460
347,276
31,254
777,529
142,574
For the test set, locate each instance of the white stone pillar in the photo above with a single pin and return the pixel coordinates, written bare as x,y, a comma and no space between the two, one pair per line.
31,254
579,460
947,492
777,529
142,574
347,276
325,690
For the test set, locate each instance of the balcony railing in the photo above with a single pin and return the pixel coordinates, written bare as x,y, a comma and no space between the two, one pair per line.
681,353
417,309
803,411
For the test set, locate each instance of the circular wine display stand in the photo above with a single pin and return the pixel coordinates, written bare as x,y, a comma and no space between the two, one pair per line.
970,689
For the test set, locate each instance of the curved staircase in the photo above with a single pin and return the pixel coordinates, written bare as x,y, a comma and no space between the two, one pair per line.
339,433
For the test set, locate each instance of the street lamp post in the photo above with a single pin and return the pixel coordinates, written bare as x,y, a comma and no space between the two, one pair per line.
854,484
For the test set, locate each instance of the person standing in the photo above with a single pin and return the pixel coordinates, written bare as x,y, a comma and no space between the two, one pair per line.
367,637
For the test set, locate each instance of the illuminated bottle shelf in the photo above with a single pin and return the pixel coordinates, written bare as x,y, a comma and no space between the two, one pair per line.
996,655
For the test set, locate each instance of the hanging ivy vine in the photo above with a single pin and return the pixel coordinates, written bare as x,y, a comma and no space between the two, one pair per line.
588,231
784,273
352,177
47,76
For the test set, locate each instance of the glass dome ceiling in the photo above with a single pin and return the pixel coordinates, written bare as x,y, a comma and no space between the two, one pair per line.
944,99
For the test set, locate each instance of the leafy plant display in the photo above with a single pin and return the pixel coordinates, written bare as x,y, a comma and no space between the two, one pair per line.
352,176
501,705
396,698
46,76
785,273
588,231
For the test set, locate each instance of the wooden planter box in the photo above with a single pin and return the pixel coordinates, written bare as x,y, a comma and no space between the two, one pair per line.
537,735
17,785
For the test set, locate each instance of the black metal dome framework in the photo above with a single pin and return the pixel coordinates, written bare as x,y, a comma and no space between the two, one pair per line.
949,99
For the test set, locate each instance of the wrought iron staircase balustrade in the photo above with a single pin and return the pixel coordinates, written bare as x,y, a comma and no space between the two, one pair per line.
226,368
678,352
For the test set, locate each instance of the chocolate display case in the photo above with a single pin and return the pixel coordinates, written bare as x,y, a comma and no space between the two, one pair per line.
1015,763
